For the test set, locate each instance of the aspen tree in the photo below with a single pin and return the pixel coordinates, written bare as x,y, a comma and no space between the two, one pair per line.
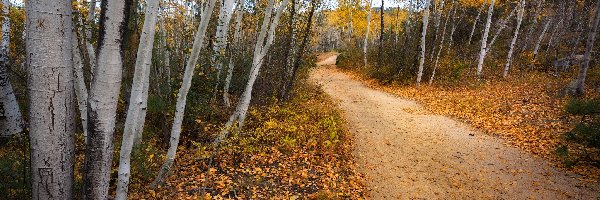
11,121
50,91
520,13
102,102
484,47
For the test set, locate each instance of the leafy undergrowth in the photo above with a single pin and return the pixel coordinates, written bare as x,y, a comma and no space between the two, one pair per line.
525,110
298,149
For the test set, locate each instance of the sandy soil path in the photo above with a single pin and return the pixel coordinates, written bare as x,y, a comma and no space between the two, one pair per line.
407,153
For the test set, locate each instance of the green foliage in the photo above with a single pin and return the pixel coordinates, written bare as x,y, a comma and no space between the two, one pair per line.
14,168
585,132
583,107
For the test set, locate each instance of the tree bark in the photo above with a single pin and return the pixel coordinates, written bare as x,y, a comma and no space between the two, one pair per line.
235,47
263,43
104,94
91,51
423,36
80,87
134,123
536,48
11,121
580,84
220,45
50,88
307,34
475,22
183,91
520,13
366,42
483,50
437,57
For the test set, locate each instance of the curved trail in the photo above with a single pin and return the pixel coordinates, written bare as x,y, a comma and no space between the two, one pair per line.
408,154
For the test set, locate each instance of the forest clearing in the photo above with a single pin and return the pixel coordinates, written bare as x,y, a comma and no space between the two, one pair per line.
299,99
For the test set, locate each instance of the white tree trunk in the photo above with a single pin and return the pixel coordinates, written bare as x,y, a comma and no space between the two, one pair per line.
475,22
220,45
80,88
267,32
520,13
556,28
183,91
366,42
50,88
350,27
583,68
236,40
88,42
502,25
104,94
536,48
11,122
437,57
423,36
483,50
134,123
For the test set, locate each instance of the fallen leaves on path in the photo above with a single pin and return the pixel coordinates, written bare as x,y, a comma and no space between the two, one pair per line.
526,111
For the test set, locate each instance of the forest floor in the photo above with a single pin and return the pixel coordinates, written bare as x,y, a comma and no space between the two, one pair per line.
407,152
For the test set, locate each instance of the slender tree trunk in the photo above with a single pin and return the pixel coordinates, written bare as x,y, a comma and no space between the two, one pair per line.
307,34
263,43
536,48
88,33
291,50
365,45
437,57
520,13
80,87
438,14
220,45
423,36
484,40
379,62
556,28
139,96
502,25
350,27
104,94
580,84
183,91
11,121
234,51
475,22
50,88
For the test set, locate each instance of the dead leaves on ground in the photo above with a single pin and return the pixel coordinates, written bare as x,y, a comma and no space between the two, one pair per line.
287,151
525,110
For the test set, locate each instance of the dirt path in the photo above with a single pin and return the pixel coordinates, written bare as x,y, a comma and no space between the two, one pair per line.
407,153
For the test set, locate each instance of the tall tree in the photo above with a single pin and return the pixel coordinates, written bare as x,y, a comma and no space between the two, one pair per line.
381,29
261,48
81,91
233,49
91,20
423,35
484,47
520,13
199,43
134,123
536,48
583,68
475,21
437,57
220,45
50,88
307,33
10,115
366,42
104,94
